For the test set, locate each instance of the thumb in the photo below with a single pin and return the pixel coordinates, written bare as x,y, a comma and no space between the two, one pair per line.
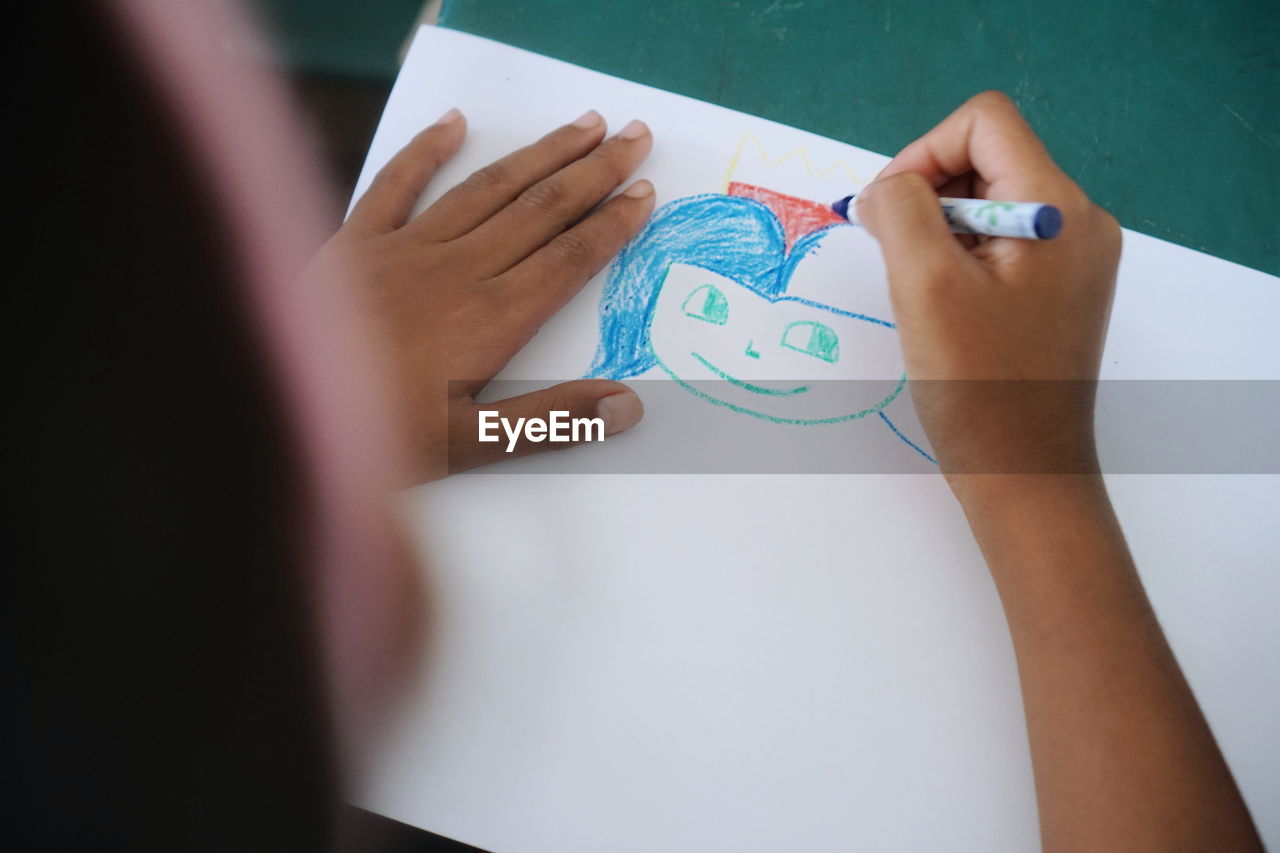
549,419
902,213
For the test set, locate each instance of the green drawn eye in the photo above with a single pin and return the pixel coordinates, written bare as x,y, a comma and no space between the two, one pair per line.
708,304
812,338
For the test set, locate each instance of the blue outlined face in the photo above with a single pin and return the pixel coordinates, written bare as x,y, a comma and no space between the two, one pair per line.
778,359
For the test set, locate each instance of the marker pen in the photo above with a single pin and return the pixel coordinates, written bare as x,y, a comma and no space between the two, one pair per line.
1028,220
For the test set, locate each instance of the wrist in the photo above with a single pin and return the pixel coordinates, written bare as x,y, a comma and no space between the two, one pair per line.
1000,496
1009,427
1020,520
996,493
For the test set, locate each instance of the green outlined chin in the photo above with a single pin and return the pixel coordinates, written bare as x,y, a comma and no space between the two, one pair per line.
747,386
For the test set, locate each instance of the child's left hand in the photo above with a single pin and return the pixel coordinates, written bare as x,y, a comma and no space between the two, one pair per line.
456,291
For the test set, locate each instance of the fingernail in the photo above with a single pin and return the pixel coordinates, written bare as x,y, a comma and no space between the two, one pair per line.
640,189
590,118
634,130
448,118
619,411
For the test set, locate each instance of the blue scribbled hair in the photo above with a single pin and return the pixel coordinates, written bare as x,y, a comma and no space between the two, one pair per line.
736,237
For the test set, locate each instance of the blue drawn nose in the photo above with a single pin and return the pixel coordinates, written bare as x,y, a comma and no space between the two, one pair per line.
751,350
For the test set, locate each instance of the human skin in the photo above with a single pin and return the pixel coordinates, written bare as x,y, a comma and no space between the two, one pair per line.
1003,341
457,290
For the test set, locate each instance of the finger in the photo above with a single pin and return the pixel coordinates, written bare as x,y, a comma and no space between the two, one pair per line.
960,187
395,189
967,185
903,214
550,206
600,407
987,135
541,284
492,188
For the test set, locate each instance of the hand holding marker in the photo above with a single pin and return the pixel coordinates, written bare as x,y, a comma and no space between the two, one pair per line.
1028,220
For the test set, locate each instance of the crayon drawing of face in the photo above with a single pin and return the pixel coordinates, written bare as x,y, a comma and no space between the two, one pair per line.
775,359
741,299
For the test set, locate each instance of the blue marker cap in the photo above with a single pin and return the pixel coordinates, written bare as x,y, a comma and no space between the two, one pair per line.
1048,222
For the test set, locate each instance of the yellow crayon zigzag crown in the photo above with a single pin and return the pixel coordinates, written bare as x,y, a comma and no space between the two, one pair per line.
792,173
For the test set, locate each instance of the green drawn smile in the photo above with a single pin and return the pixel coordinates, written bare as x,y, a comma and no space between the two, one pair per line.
754,389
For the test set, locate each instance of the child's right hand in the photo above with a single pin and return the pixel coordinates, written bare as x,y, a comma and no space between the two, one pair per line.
1003,341
970,312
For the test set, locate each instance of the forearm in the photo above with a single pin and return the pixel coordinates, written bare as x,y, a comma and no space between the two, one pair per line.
1122,755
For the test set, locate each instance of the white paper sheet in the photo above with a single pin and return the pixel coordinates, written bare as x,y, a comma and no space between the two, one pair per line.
763,663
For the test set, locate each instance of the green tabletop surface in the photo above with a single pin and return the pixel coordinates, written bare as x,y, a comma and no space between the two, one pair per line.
1167,113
